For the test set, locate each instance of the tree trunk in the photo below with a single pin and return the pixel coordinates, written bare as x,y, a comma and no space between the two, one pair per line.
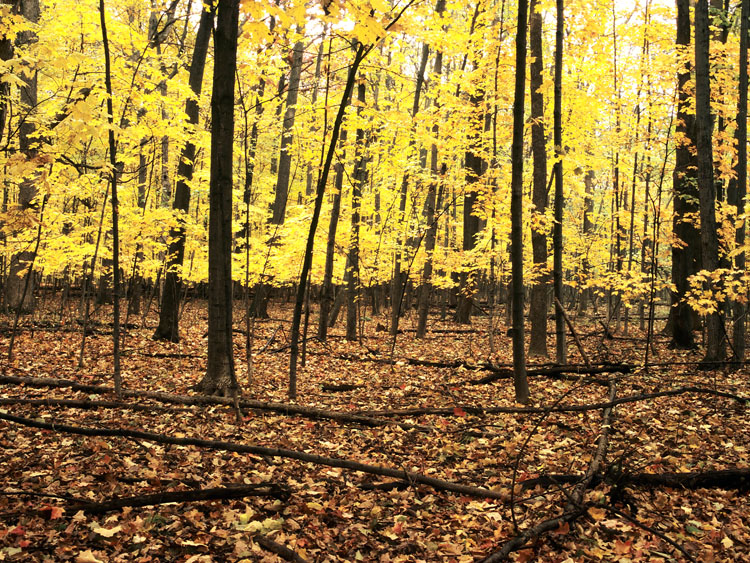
285,156
397,284
738,186
706,186
516,210
538,304
27,191
474,167
686,259
557,232
430,203
326,298
220,377
168,328
588,210
310,245
358,178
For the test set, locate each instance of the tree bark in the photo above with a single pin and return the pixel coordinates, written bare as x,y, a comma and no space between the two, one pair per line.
168,328
431,201
358,178
686,259
538,303
220,377
516,210
706,186
398,281
738,186
557,232
285,156
20,262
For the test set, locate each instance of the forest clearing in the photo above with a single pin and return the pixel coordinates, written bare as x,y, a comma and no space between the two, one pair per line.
374,280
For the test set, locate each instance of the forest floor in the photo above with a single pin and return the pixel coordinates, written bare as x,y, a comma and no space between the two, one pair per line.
417,420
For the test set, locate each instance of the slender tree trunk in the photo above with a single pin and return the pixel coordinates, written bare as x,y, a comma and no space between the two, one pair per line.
557,232
358,178
327,298
309,187
285,156
115,210
538,304
320,192
168,328
474,169
516,210
398,281
588,211
220,377
430,203
706,185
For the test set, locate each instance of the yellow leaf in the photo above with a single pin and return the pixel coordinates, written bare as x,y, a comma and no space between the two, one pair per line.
87,557
105,532
597,513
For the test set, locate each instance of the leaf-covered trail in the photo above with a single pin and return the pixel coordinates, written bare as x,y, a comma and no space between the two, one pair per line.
338,515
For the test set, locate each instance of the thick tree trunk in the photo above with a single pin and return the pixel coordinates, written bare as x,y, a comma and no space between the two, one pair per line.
538,303
168,328
516,210
686,259
220,377
706,185
18,296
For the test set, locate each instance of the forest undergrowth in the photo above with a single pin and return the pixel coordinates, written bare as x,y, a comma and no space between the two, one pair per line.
634,476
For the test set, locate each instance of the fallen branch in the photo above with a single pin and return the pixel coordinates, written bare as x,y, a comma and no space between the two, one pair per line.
573,332
307,412
272,490
574,507
281,550
84,404
653,531
340,388
220,445
554,371
728,479
460,410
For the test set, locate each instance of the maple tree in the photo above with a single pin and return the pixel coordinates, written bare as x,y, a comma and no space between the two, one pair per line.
185,181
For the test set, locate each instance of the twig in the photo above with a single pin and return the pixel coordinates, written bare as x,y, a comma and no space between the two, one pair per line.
573,332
